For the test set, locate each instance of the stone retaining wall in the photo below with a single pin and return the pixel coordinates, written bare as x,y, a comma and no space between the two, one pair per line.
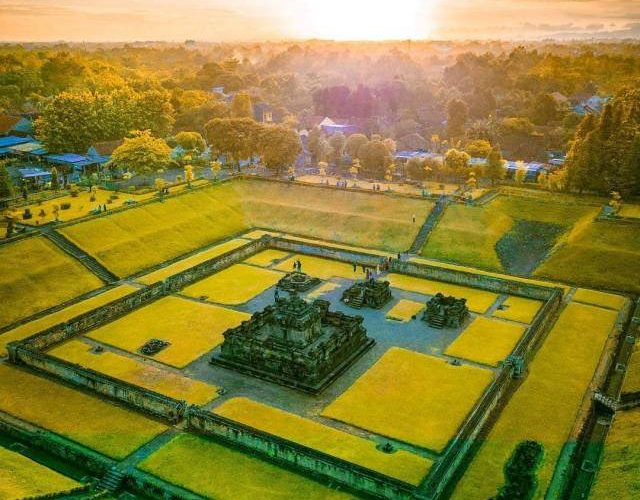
293,454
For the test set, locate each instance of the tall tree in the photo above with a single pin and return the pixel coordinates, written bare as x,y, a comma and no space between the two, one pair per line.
337,142
233,137
495,169
457,163
191,141
376,159
354,143
6,186
278,146
141,153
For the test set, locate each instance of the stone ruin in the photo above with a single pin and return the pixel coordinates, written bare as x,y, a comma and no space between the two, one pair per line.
445,312
297,281
153,346
369,293
295,343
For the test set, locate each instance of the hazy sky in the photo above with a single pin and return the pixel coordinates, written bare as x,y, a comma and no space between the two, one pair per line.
230,20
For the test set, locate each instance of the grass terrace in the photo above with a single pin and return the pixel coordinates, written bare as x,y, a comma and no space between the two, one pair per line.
229,474
21,477
37,325
511,233
618,476
405,310
518,309
184,264
266,258
477,300
545,406
191,328
136,372
88,420
487,341
601,255
400,465
130,241
410,397
632,211
36,275
234,285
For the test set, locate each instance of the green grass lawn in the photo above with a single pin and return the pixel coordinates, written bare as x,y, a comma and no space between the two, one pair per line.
37,275
488,236
132,240
602,254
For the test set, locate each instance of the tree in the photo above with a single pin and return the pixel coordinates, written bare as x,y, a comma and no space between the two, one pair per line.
216,166
494,168
521,172
376,158
55,182
241,106
415,168
544,110
279,146
6,186
457,163
337,142
354,143
233,137
141,153
390,145
478,148
191,141
457,115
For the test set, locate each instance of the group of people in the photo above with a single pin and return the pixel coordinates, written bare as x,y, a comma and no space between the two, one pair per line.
374,272
376,187
341,184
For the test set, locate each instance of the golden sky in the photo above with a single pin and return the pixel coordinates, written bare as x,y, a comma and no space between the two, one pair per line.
232,20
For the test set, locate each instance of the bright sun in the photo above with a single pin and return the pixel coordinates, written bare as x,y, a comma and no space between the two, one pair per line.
369,19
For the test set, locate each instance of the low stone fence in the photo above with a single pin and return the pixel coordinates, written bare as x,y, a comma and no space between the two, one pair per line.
148,401
326,252
153,487
56,445
295,455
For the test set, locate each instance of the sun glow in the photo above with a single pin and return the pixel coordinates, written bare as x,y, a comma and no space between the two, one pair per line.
369,19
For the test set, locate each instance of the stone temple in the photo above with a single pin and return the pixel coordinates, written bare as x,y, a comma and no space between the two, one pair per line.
295,343
446,312
368,293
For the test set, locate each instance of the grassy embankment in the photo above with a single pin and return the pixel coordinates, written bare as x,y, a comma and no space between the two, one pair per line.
130,241
90,421
37,275
511,233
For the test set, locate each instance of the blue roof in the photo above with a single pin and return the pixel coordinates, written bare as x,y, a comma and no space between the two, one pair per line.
33,172
12,140
24,125
66,158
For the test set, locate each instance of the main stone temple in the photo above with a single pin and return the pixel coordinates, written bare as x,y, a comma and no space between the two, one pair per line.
295,343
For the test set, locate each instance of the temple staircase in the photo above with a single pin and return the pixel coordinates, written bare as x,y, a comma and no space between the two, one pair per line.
429,224
112,480
77,253
437,321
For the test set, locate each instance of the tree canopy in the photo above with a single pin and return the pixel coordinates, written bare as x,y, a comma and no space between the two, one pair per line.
141,153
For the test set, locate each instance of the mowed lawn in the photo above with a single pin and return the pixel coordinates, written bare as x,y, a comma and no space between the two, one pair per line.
133,240
129,241
191,329
36,275
468,235
212,470
88,420
21,477
603,254
400,465
412,397
545,406
136,372
618,476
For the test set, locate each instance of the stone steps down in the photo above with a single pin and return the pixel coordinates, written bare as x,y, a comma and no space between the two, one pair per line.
112,480
427,227
77,253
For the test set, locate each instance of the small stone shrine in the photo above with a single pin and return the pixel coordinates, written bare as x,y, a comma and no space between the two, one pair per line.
369,293
153,346
446,312
295,343
297,281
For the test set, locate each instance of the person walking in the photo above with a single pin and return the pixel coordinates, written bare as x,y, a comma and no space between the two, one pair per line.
413,217
355,266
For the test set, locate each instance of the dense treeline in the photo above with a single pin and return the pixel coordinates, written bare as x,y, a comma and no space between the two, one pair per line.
605,154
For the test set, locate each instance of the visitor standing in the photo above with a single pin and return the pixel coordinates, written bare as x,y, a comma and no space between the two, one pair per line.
355,266
413,217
